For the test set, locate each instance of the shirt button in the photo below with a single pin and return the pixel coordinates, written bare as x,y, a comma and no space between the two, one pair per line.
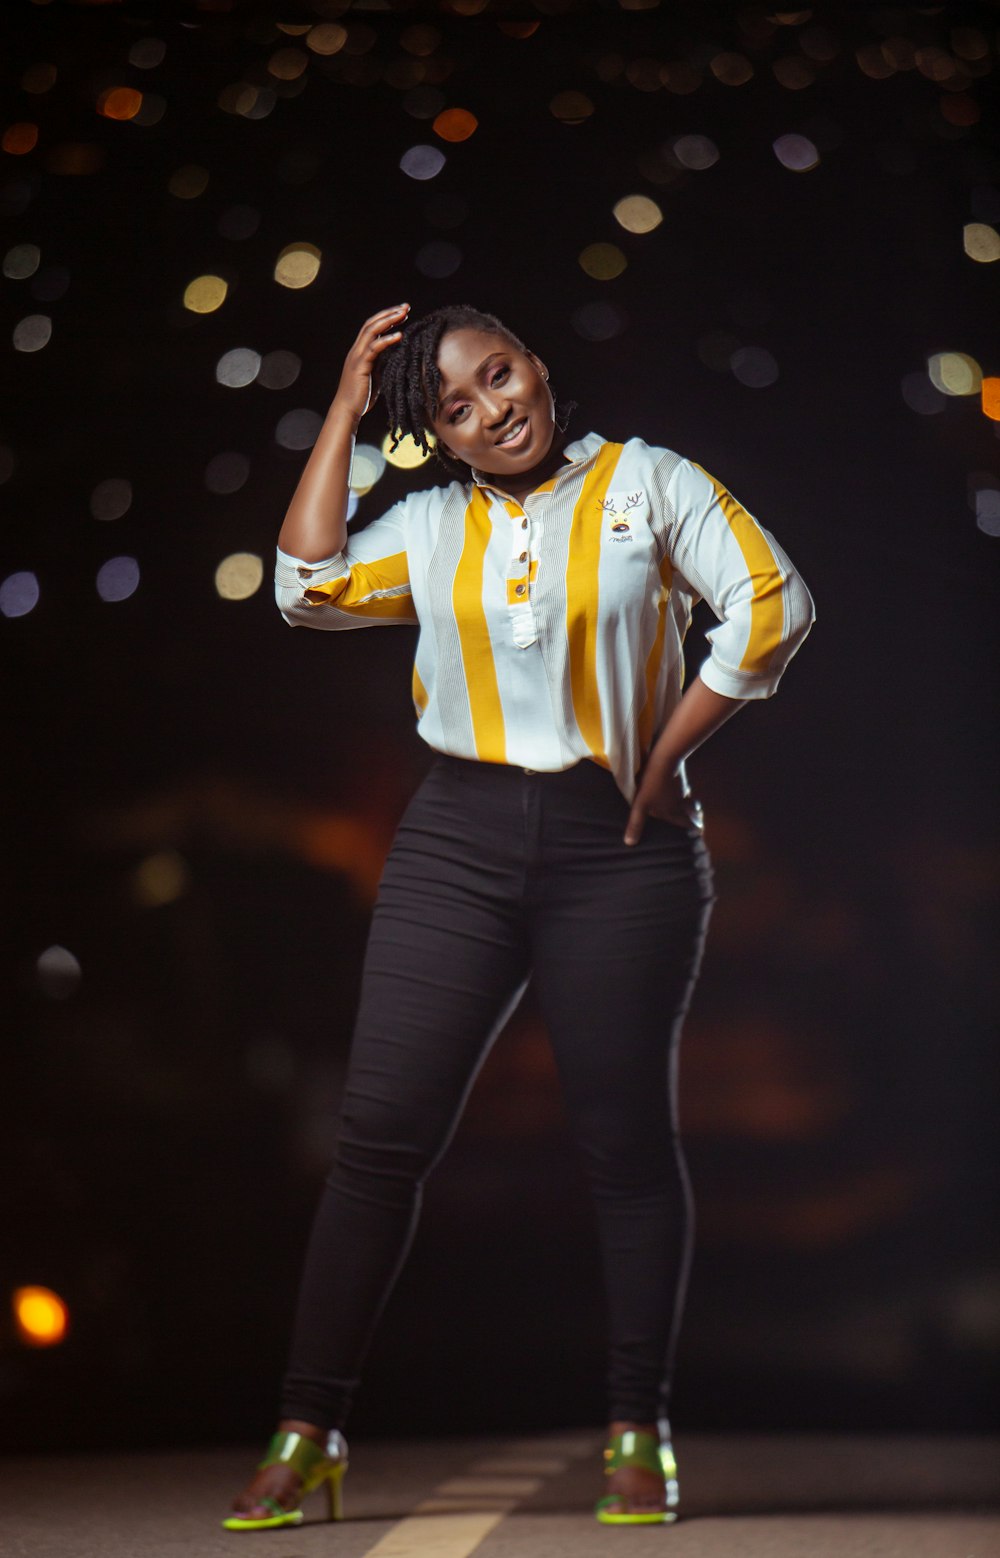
523,557
305,573
524,524
519,589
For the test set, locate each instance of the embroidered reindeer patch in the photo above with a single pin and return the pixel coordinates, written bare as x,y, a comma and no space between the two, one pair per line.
618,506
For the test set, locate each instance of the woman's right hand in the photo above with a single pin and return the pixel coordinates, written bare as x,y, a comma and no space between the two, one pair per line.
357,389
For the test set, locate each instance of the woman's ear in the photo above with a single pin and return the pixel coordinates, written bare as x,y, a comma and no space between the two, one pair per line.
538,365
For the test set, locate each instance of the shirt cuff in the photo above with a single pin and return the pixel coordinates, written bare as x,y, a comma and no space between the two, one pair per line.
739,684
297,575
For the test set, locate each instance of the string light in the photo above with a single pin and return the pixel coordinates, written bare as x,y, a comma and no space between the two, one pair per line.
41,1316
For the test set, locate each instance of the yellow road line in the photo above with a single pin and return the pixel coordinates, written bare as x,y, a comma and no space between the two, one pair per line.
437,1536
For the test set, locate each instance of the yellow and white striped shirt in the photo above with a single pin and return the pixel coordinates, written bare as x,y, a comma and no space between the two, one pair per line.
552,630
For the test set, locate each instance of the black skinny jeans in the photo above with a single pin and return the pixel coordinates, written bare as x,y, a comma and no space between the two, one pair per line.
497,874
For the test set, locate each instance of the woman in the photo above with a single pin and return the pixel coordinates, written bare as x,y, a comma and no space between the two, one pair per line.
552,583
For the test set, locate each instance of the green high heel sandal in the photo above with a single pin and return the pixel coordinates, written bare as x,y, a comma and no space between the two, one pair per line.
314,1465
654,1453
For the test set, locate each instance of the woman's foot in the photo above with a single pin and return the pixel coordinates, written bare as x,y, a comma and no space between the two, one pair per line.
281,1483
639,1491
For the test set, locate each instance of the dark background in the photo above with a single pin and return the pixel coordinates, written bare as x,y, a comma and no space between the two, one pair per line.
198,800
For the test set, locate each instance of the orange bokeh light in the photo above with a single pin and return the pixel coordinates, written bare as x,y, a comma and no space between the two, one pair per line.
20,138
455,124
119,103
41,1316
991,399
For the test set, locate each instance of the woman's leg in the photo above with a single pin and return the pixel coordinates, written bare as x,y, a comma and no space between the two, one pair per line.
616,937
445,964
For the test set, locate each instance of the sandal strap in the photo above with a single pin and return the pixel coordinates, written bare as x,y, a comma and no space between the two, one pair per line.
633,1448
295,1450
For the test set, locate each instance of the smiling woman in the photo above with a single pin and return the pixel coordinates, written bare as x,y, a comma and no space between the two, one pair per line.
552,583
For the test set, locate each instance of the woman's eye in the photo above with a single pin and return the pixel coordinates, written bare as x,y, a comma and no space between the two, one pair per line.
454,415
499,376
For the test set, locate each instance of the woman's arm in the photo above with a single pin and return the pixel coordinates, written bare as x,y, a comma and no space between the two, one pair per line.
315,525
661,792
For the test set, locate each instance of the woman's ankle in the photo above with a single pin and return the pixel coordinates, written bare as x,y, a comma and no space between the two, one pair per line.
295,1425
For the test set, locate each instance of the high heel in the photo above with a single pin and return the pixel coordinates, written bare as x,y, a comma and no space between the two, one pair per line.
653,1452
314,1465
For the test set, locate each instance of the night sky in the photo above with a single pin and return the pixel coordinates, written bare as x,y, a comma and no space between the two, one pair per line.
198,800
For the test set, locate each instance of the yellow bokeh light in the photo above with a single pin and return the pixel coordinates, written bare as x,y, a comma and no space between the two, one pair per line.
239,576
205,294
287,64
297,265
981,242
455,124
160,879
571,107
991,399
189,181
733,70
954,373
603,261
638,214
41,1316
407,455
327,38
119,103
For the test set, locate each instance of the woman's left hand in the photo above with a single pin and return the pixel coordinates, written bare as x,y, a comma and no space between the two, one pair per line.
662,793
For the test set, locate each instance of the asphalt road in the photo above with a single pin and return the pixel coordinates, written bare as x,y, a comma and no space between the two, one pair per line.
761,1496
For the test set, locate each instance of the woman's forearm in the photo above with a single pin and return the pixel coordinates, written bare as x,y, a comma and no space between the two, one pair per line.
698,715
315,525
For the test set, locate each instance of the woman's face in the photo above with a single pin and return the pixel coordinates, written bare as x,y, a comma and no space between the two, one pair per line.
495,410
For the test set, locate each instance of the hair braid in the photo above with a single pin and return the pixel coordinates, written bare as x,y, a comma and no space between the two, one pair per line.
410,378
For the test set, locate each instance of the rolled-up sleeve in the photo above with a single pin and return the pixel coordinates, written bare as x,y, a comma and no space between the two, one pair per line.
365,585
733,563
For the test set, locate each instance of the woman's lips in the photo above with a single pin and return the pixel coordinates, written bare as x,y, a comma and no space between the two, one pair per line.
519,439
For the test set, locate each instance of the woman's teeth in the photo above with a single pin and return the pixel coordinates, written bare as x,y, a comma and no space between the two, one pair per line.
515,432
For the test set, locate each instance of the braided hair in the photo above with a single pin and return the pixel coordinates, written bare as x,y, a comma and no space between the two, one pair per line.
410,378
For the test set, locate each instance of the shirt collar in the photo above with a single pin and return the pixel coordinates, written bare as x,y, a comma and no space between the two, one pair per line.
579,450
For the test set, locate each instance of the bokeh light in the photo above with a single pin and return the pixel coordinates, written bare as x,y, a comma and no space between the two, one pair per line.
326,38
41,1316
288,64
796,152
921,396
981,242
20,138
19,594
695,151
298,429
239,576
119,102
227,472
32,333
793,72
205,294
644,74
118,578
438,259
638,214
422,162
297,265
39,78
733,70
59,973
189,181
238,367
602,261
954,373
21,261
111,498
147,53
598,321
407,454
161,878
367,466
991,398
681,77
987,501
279,370
571,107
455,124
154,106
754,367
